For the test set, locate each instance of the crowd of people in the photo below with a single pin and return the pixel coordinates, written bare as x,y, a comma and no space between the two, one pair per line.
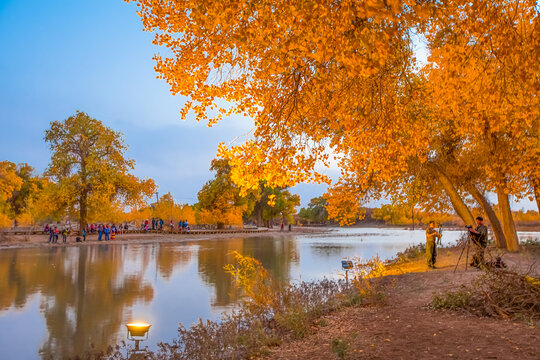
106,232
54,233
157,224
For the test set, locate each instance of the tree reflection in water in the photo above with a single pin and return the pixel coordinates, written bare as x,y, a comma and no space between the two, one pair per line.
275,254
86,294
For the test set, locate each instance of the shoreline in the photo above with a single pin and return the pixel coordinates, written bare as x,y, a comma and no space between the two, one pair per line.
9,241
404,325
40,241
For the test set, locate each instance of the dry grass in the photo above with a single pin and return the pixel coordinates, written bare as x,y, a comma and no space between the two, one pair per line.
499,293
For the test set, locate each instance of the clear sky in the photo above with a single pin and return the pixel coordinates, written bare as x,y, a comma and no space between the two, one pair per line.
59,56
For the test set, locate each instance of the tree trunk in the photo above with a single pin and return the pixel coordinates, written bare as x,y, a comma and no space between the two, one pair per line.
258,212
83,203
496,226
83,212
536,187
508,225
457,202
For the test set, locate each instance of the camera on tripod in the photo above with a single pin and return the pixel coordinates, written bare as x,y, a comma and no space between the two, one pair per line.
468,226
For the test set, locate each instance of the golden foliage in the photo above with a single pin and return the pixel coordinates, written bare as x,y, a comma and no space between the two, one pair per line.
232,216
326,83
251,277
168,210
398,214
365,275
9,181
5,221
90,171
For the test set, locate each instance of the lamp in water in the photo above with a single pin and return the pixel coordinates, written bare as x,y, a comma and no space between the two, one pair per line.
137,332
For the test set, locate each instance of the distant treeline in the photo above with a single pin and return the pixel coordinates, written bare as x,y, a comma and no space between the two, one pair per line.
388,214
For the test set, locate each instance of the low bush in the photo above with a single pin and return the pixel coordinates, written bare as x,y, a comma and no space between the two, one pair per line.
366,278
453,300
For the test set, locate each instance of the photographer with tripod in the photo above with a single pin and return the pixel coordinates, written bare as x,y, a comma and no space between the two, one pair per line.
479,237
431,244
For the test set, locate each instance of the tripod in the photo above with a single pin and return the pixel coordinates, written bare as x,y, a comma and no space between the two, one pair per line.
466,245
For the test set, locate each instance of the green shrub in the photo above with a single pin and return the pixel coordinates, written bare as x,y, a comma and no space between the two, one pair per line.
460,299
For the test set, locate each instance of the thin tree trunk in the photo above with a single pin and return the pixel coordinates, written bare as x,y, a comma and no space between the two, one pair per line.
83,203
457,202
536,187
83,212
496,226
508,225
258,212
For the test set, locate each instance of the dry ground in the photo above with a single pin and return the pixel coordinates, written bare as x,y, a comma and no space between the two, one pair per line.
405,328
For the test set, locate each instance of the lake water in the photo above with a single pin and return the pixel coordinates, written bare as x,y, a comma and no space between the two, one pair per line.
57,301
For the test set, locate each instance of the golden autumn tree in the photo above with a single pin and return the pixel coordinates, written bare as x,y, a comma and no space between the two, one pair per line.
89,168
339,79
219,200
264,205
485,76
9,183
282,205
167,209
21,194
318,78
24,202
139,213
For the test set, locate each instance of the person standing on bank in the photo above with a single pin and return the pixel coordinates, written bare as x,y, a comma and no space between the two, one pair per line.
51,234
479,237
431,245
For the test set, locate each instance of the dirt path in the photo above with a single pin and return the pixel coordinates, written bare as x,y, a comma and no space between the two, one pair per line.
404,328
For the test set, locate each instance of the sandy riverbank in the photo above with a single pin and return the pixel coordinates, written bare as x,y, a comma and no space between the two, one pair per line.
404,327
32,241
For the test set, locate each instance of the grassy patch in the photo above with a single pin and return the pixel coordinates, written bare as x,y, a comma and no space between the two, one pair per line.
453,300
340,347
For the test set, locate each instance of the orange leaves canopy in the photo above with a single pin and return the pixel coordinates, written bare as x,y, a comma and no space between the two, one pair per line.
334,80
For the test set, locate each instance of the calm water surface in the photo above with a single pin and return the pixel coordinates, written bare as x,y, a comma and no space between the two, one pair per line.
57,301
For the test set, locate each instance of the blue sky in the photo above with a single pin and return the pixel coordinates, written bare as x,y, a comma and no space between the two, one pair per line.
59,56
